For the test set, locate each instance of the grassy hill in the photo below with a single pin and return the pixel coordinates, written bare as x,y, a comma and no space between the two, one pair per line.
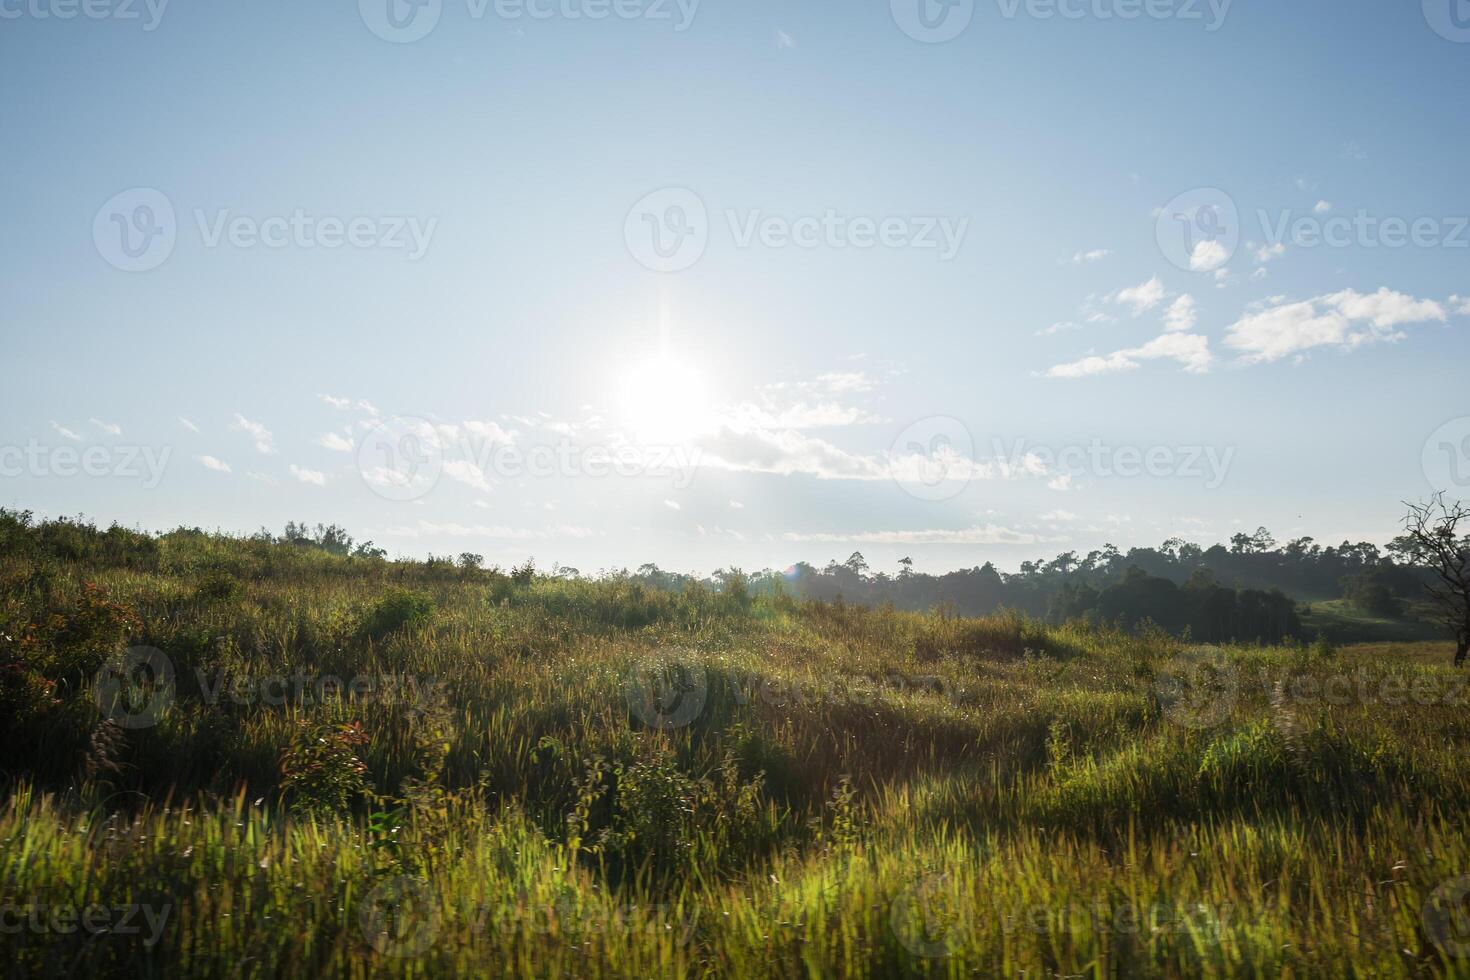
1342,622
227,756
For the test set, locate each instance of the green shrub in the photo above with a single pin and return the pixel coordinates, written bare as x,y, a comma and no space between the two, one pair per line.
320,771
217,586
397,609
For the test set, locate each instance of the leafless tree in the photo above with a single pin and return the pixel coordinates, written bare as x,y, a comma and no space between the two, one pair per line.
1438,540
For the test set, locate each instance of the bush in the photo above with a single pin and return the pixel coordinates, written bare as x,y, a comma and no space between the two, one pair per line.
320,771
397,609
217,586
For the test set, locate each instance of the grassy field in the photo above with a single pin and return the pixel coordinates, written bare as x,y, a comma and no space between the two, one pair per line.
347,767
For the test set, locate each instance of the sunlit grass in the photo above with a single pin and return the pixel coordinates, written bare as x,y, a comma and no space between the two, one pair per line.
847,791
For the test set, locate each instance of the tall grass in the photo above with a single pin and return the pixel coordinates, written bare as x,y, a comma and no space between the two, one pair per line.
364,768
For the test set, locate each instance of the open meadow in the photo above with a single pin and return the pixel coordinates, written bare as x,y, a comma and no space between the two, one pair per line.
238,758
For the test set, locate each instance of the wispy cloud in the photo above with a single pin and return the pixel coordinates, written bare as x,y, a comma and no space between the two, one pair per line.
264,441
64,432
1091,256
424,529
1181,314
213,463
980,534
110,428
314,477
187,424
336,442
1191,351
1141,298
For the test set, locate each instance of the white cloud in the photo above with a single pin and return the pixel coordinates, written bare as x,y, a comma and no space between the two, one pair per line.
1056,328
672,505
839,382
264,441
490,431
1266,253
1093,255
64,432
315,477
110,428
1192,351
451,529
187,424
1059,515
797,416
466,472
980,534
1385,308
786,453
360,404
1181,314
1259,274
211,463
336,442
1061,482
737,505
1208,256
1142,298
1461,305
784,40
1346,320
1323,207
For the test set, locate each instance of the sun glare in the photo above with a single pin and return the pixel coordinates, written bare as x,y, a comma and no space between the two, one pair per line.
663,399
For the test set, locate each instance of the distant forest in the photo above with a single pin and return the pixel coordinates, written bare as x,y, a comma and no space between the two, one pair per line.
1246,591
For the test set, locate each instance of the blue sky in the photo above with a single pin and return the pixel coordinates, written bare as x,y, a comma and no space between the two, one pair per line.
930,299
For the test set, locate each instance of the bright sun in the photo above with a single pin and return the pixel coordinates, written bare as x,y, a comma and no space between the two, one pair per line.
663,399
